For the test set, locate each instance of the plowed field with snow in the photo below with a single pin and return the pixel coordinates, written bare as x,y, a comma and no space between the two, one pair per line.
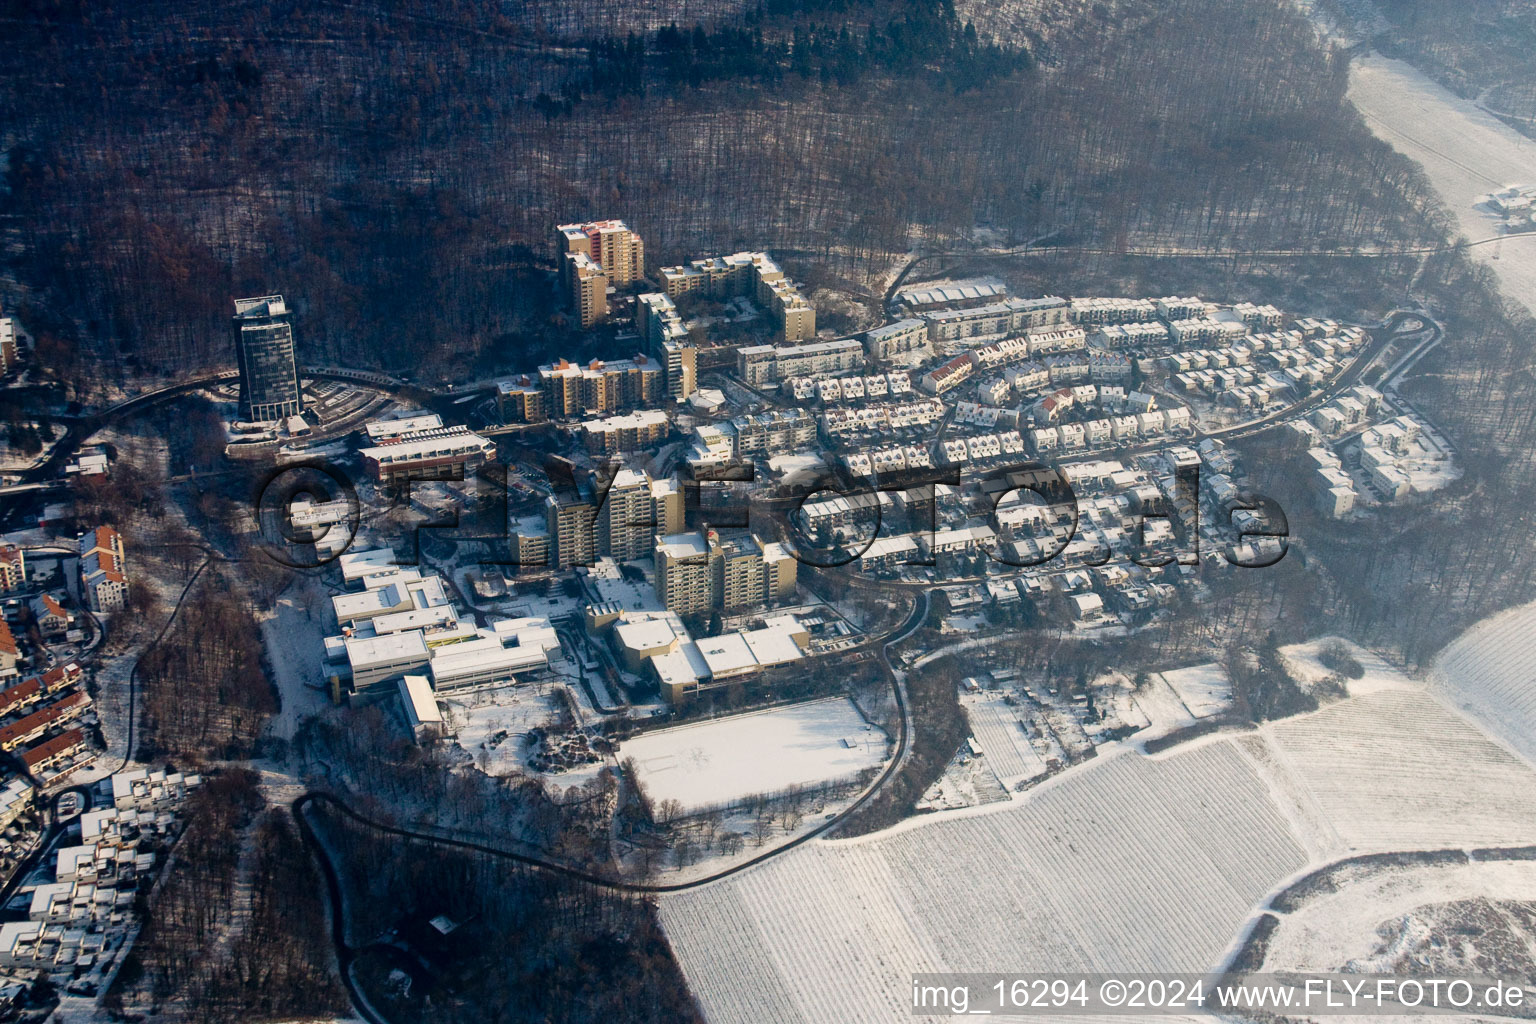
1136,864
1490,672
1124,863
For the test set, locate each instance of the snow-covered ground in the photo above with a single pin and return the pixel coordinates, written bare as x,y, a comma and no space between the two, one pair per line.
722,762
1466,152
293,635
492,725
1490,672
12,460
1205,689
1162,707
1125,862
1005,737
1342,929
1304,663
1093,872
1397,770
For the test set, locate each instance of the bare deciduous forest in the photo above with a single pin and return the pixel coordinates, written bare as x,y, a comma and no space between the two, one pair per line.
529,946
237,930
397,171
203,690
1480,50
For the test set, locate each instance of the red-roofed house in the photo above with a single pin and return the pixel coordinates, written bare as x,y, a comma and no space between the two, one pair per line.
10,653
46,755
103,570
49,614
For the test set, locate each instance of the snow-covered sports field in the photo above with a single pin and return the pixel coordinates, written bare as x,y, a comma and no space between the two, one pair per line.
723,762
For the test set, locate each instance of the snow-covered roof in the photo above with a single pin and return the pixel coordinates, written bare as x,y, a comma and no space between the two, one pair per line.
727,655
682,667
418,701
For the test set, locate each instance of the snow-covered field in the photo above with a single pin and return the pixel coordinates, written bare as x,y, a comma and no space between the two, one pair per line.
1126,862
1338,930
718,763
1398,770
1161,706
1064,881
1466,152
1490,672
1204,689
1001,733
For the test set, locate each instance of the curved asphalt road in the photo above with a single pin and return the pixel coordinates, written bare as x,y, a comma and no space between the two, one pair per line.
346,954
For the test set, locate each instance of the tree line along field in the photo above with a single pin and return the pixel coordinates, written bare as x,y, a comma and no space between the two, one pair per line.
1128,862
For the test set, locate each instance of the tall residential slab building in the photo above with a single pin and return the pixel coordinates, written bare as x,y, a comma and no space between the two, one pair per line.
591,257
636,508
587,287
609,244
269,375
626,522
661,328
697,572
570,518
684,577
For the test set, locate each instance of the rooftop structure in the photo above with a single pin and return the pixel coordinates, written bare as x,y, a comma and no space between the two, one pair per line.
419,705
961,293
386,431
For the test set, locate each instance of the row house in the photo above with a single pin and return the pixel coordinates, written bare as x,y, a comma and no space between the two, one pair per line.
34,688
1132,335
1173,307
884,554
1071,368
25,730
1057,340
896,339
70,749
1109,367
1027,377
1000,353
1264,317
837,389
1205,330
947,376
1112,310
